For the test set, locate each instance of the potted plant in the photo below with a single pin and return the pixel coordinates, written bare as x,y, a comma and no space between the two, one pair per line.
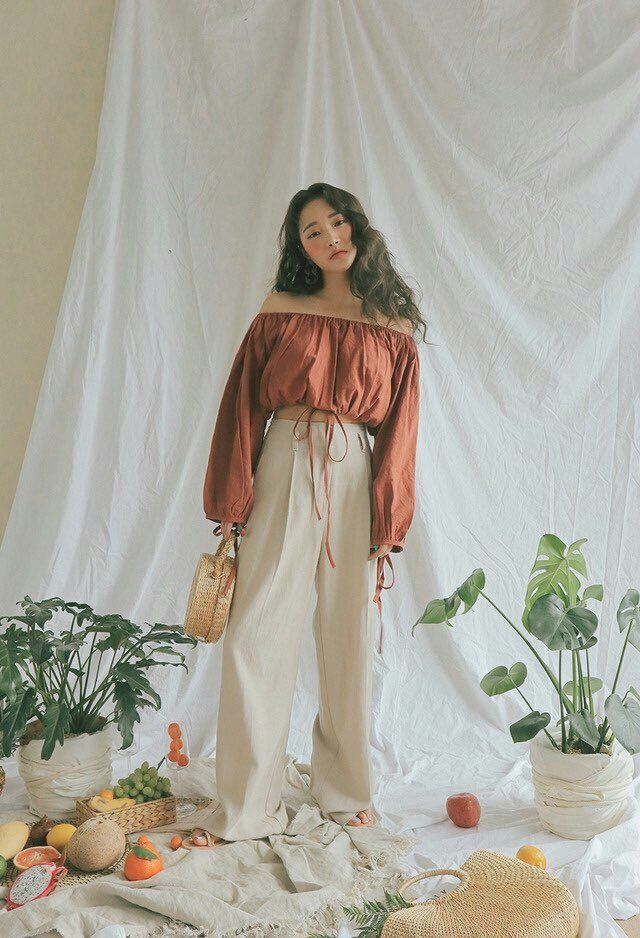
582,769
63,692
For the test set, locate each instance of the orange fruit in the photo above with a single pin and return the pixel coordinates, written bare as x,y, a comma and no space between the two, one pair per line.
173,756
173,730
107,793
176,842
138,865
183,759
532,855
176,745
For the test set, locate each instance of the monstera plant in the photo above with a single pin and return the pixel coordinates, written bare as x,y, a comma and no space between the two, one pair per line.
556,613
79,678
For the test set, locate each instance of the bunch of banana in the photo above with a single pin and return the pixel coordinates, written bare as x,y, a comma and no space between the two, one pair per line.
102,805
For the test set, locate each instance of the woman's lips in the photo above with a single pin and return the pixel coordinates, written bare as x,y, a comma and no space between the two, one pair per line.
337,254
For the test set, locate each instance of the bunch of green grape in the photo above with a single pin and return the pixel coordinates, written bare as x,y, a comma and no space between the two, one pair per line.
144,784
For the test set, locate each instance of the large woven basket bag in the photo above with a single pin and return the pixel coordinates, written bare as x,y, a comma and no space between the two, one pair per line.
499,897
212,591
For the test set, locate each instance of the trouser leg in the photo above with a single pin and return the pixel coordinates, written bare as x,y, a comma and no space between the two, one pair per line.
344,626
276,567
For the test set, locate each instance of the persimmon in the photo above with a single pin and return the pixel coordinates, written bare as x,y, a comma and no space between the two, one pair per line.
183,759
176,745
176,842
173,730
173,756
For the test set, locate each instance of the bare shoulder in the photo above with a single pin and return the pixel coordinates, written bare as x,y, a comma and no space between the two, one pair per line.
281,302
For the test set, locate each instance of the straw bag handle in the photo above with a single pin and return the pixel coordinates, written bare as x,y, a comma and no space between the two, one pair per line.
221,553
462,875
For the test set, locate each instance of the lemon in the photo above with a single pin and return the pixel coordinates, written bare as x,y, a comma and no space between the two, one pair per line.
60,835
532,855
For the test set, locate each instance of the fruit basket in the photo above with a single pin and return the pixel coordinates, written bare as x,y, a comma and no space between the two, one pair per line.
134,817
138,802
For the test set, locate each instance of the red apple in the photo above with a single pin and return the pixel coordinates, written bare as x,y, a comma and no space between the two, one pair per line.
463,809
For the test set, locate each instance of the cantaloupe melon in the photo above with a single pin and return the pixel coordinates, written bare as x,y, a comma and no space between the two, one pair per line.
97,844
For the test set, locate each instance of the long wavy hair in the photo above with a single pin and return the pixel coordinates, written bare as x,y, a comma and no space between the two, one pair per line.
374,278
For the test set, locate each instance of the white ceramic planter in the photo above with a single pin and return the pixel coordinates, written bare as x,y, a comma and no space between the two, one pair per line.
578,796
79,768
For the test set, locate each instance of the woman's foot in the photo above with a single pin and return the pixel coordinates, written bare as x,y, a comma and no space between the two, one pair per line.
362,817
201,839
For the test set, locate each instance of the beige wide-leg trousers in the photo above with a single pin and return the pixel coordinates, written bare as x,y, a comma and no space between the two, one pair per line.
280,558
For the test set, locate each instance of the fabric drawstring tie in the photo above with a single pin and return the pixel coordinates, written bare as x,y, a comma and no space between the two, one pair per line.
332,417
379,587
328,436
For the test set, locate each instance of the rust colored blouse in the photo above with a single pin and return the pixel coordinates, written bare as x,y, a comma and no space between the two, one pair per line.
364,371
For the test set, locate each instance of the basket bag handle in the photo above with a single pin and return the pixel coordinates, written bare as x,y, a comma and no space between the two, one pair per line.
221,554
462,875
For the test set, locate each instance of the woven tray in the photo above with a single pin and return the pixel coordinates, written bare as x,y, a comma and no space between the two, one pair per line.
75,877
133,817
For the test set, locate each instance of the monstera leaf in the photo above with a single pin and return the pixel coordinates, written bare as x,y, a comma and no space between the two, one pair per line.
442,610
500,680
624,720
553,571
560,627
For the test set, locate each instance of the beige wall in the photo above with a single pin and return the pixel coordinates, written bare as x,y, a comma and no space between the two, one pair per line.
53,56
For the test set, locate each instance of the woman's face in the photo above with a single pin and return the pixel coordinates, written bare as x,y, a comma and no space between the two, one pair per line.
325,235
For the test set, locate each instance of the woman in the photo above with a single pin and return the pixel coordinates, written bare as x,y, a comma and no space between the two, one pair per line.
320,352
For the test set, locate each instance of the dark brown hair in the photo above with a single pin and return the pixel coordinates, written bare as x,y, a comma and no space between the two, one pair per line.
374,279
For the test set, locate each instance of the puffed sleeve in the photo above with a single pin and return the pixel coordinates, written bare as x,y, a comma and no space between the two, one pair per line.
394,454
238,434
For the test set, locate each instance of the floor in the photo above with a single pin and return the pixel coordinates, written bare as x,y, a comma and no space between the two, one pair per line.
631,926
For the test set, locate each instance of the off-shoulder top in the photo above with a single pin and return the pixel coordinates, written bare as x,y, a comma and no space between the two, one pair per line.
353,368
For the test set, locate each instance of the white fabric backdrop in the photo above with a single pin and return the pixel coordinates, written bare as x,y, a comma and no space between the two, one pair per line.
495,145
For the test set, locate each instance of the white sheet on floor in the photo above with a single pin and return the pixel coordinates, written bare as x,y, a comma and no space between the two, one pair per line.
495,146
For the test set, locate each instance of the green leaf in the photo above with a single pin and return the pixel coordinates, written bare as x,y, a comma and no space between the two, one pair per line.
470,589
593,592
143,852
584,727
529,726
16,717
438,611
125,671
56,724
624,719
500,680
553,571
125,711
595,683
558,627
628,614
40,647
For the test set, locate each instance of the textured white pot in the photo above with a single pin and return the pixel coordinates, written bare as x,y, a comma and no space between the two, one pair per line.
578,796
81,767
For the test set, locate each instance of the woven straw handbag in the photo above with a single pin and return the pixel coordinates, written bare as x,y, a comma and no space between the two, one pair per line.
212,591
499,897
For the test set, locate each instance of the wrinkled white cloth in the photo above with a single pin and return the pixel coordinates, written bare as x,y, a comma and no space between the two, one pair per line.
578,796
78,769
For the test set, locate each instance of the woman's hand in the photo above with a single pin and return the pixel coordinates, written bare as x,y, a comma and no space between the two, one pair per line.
226,528
379,550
